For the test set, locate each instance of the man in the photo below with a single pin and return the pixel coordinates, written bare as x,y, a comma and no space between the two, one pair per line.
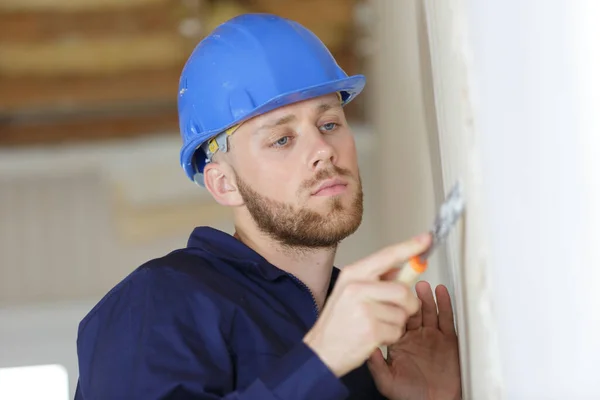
263,314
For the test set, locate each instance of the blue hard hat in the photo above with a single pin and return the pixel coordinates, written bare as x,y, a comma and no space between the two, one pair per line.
247,66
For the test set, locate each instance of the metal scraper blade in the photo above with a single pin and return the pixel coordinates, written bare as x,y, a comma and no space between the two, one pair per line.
450,211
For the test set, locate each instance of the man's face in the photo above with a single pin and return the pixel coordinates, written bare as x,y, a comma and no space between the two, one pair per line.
298,175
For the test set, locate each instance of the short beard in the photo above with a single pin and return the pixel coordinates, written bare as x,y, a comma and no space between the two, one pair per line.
303,228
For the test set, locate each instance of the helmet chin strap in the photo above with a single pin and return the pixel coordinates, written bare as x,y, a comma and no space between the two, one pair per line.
210,147
218,143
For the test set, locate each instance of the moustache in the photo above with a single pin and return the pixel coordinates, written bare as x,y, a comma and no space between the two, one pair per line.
325,174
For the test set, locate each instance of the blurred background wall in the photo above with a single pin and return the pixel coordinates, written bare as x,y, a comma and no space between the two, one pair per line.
90,185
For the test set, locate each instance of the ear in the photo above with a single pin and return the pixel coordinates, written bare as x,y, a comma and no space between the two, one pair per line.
219,181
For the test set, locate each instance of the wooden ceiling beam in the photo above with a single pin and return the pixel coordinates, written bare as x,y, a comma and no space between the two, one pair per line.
46,26
90,129
32,93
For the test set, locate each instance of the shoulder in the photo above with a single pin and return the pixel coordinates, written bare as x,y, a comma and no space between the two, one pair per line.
160,317
173,287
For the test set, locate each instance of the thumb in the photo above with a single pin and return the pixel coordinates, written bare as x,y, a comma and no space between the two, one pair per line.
379,368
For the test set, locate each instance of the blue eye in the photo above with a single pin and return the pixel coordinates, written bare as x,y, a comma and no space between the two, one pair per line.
282,142
329,126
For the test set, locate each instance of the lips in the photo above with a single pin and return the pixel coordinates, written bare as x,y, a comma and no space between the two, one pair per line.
329,183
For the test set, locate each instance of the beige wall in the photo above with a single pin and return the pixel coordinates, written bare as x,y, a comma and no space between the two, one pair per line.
403,114
76,220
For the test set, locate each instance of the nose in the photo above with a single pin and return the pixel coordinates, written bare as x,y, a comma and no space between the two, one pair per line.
322,154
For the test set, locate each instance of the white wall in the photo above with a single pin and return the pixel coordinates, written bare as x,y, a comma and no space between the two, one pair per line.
40,335
517,94
460,152
536,73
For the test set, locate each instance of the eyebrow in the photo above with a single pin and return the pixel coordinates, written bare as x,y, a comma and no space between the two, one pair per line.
320,109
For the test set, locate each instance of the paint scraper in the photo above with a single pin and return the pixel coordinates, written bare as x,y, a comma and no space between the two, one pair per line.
448,214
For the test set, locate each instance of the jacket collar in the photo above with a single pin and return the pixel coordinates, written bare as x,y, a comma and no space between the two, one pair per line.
224,246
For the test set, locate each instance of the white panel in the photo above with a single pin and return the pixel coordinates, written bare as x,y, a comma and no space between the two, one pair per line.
42,335
529,153
51,382
536,118
460,155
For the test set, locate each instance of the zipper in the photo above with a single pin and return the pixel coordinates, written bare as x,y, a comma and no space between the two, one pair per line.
312,296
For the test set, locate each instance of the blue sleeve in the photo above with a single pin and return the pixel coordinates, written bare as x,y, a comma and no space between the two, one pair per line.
379,396
142,341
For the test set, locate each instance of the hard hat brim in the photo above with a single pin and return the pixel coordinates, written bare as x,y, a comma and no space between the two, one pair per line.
350,87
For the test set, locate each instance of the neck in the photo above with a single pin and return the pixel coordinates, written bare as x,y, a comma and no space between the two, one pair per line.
312,266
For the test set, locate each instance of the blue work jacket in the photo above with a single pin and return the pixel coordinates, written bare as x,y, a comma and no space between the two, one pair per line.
214,320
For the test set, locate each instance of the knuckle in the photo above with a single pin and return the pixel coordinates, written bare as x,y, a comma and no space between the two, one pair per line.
402,316
345,275
349,274
393,334
353,289
401,290
413,304
400,250
398,293
398,333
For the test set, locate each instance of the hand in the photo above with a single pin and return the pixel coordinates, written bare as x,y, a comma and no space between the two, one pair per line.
424,363
364,310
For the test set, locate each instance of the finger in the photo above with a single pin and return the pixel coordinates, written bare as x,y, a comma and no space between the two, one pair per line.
416,320
388,334
389,314
428,307
394,293
375,265
446,315
391,274
379,369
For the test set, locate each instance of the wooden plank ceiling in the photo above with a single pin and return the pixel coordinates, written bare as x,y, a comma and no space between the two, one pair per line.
100,69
